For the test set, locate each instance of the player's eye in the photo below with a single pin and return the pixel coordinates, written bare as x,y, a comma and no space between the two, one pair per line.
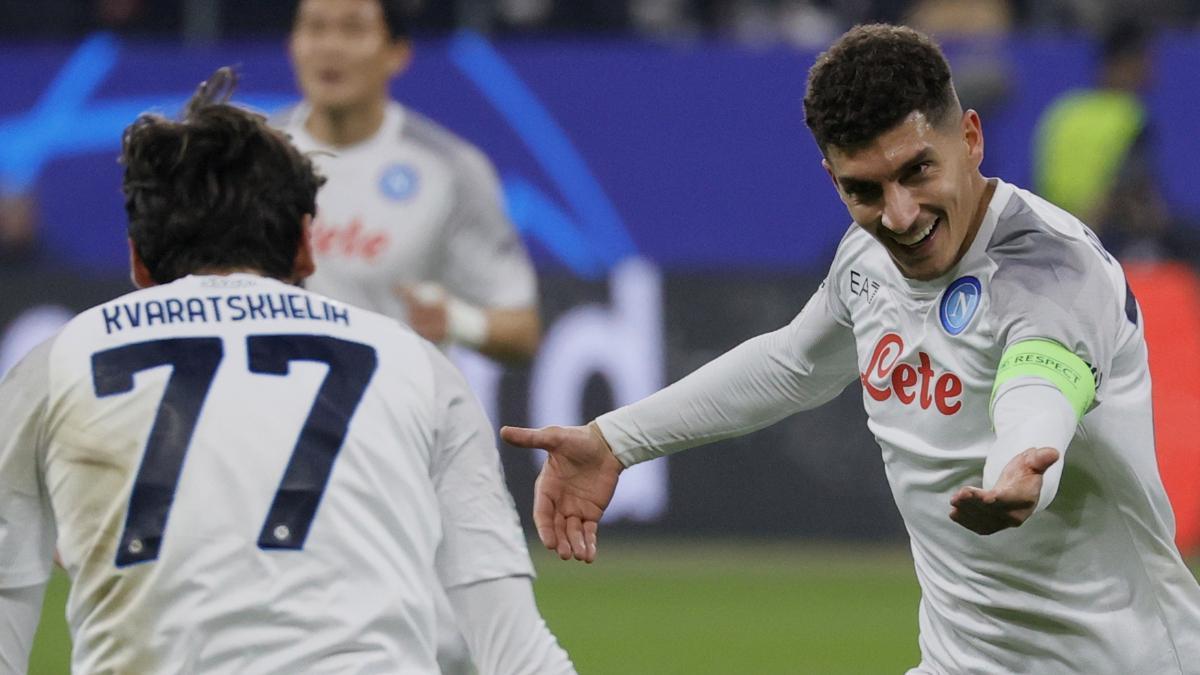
920,170
863,194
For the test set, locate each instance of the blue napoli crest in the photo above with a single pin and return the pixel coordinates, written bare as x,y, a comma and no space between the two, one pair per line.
398,182
959,303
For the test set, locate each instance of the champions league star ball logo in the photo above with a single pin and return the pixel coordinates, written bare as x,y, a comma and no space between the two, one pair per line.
398,182
959,303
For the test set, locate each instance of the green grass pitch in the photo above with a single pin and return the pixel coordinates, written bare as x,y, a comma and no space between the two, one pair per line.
695,608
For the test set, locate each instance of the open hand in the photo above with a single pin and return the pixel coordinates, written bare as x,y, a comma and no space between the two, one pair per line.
575,486
1011,501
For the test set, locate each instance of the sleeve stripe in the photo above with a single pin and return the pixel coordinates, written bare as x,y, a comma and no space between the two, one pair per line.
1052,362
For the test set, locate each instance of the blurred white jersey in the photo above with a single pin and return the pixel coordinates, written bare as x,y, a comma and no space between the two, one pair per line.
1092,584
247,477
413,203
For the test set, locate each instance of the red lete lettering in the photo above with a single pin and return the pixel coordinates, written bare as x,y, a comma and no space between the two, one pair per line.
920,384
350,241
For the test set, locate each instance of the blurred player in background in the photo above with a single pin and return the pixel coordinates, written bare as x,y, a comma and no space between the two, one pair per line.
1094,153
998,345
242,476
411,221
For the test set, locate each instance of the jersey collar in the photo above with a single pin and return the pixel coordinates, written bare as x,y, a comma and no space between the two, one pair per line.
389,130
978,248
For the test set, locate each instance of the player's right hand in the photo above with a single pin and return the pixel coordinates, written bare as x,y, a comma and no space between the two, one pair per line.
1011,501
575,486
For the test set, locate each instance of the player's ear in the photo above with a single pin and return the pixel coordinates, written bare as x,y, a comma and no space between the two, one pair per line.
400,56
138,272
972,130
305,264
829,171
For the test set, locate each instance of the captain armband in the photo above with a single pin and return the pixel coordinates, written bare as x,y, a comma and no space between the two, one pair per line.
1052,362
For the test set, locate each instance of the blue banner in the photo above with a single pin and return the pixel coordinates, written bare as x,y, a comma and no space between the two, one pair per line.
692,155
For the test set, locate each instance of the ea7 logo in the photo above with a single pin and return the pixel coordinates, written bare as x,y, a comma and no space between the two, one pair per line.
861,284
920,384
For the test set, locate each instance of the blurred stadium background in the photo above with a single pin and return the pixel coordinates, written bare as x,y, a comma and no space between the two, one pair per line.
654,157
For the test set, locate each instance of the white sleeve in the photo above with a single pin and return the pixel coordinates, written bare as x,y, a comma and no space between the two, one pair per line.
481,532
486,261
504,630
1030,412
19,611
761,381
27,530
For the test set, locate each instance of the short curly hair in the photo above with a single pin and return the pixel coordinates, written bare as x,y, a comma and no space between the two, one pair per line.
871,79
219,189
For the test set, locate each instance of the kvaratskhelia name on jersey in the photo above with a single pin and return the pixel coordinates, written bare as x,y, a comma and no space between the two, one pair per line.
120,316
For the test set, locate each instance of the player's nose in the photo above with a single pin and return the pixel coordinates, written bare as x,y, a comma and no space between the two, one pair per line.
900,209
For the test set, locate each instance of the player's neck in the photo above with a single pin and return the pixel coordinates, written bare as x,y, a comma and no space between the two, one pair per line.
347,125
986,189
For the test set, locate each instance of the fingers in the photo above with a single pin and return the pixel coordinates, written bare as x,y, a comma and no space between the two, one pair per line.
543,516
973,513
581,537
1041,459
984,512
973,494
575,535
568,536
547,438
563,547
523,437
589,535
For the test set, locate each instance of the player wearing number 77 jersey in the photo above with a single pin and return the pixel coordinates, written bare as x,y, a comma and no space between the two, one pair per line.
241,476
1004,376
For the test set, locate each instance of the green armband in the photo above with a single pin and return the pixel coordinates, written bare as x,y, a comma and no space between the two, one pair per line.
1049,361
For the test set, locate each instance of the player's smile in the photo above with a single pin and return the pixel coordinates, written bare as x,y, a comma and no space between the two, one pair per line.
911,189
919,238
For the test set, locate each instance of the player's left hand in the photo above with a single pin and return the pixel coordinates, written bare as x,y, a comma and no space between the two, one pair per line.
427,314
1011,501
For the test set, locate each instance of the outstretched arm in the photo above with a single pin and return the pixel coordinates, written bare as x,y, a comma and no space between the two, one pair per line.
1042,391
1034,424
759,382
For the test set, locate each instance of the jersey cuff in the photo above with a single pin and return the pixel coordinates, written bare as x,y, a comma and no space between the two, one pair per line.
1054,363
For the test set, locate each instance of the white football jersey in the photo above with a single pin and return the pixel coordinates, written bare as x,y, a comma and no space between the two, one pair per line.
245,477
1092,584
413,203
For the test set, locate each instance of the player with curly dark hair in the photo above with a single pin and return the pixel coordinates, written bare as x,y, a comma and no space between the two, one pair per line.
185,189
907,73
1003,366
243,476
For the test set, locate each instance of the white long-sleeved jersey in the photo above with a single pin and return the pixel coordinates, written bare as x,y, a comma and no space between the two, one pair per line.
1092,584
243,476
412,203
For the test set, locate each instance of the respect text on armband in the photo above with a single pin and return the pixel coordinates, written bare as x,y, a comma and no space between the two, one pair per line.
121,316
1072,376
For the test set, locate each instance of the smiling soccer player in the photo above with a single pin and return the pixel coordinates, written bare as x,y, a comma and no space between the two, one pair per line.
1005,378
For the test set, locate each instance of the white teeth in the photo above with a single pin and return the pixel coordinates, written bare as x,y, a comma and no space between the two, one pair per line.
919,236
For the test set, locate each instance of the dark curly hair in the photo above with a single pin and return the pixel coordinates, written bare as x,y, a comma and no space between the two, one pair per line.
870,80
219,189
